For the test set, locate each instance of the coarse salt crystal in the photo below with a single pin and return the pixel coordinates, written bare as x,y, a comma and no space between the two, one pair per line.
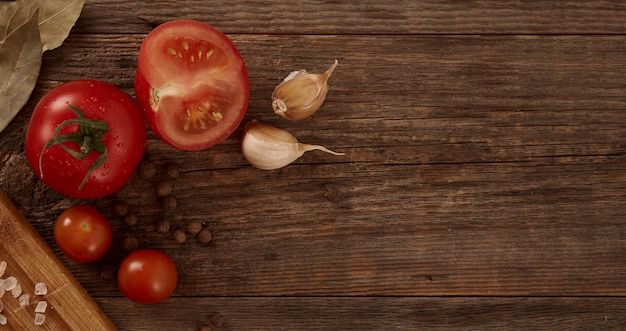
24,299
41,307
9,283
41,289
3,320
39,318
17,291
2,290
3,267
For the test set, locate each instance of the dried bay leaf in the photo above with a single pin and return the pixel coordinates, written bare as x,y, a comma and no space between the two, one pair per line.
20,56
56,18
7,11
20,22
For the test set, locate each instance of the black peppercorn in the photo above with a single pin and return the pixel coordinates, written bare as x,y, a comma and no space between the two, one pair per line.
205,236
130,243
120,208
163,226
194,227
131,219
147,169
180,236
163,189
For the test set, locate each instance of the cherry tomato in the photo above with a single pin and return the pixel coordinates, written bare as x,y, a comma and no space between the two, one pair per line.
82,233
147,276
191,83
85,139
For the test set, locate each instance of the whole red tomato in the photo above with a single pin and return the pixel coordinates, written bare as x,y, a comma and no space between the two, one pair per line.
191,83
85,139
82,233
147,276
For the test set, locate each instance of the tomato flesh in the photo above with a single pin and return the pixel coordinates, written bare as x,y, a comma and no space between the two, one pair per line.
191,83
147,276
83,234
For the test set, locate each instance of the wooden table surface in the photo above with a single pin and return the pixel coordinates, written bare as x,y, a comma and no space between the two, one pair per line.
483,186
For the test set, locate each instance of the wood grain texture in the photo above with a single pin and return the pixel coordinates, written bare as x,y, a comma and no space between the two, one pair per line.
375,313
483,185
31,261
365,17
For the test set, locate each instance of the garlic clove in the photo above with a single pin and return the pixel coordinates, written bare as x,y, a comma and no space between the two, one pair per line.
301,94
267,147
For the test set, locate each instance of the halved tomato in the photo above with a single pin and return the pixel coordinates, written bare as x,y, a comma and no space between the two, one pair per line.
191,83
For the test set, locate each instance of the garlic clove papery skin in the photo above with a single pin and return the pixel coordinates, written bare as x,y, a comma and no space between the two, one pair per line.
301,94
268,148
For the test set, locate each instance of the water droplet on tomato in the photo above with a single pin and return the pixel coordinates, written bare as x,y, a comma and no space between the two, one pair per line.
120,145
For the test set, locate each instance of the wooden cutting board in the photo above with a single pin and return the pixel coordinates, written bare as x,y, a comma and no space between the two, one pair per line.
30,260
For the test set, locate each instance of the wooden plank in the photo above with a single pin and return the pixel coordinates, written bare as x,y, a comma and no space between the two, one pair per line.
418,76
483,186
378,313
364,17
503,230
476,165
31,261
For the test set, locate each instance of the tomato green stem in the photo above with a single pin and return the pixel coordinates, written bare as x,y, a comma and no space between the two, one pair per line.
88,137
85,148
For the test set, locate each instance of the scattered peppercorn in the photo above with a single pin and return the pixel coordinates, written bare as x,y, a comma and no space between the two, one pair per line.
180,236
164,189
120,208
194,227
169,203
216,320
163,226
107,272
130,243
205,236
147,169
173,170
130,219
